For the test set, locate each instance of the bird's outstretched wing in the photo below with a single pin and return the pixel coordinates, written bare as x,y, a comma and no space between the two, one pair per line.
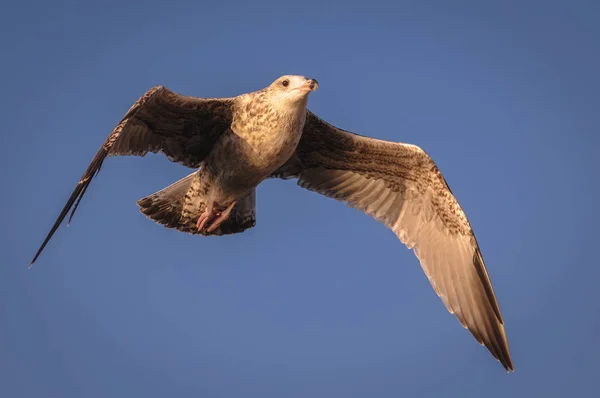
400,186
183,128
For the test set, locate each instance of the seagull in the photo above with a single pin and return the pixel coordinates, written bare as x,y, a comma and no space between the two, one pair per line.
235,143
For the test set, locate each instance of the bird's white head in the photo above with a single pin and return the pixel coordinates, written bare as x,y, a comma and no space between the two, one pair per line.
292,89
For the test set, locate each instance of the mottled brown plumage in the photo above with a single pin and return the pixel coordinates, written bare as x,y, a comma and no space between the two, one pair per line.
238,142
166,208
400,186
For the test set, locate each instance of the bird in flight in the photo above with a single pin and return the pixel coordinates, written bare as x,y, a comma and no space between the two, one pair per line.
235,143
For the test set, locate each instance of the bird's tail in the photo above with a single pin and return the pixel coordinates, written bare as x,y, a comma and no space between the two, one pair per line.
166,207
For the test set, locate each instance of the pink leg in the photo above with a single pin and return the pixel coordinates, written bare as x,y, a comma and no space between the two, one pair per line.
222,217
204,217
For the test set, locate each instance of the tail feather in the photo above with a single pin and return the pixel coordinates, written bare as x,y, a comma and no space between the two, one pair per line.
166,207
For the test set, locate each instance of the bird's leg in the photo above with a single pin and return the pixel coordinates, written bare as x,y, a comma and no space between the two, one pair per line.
221,217
205,216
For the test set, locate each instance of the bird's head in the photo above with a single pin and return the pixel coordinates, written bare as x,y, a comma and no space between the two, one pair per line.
292,89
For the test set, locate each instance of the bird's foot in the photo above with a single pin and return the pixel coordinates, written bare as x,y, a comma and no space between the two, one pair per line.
213,219
205,216
203,219
222,216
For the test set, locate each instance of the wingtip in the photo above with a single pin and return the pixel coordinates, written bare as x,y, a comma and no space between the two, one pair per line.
511,368
34,260
508,365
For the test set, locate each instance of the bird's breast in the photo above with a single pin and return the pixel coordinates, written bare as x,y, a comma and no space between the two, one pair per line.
267,140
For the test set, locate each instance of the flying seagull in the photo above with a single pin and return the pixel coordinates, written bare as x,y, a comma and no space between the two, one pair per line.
235,143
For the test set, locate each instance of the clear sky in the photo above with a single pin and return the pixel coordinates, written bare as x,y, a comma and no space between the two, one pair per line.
318,300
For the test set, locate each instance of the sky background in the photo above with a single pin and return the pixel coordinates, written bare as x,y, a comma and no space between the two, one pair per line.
318,299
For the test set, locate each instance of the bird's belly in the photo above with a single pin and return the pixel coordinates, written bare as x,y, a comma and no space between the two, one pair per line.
262,153
242,164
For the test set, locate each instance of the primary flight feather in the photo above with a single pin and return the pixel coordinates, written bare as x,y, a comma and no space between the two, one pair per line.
236,143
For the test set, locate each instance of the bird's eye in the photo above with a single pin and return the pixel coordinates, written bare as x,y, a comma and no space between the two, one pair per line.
285,83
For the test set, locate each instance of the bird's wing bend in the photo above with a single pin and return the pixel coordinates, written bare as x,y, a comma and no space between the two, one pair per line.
183,128
400,186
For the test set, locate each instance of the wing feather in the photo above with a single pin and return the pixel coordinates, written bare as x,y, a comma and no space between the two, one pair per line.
183,128
400,185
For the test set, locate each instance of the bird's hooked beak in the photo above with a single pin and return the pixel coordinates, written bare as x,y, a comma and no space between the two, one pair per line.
309,85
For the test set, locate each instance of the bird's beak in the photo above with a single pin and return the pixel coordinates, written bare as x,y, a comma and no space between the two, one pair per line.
309,85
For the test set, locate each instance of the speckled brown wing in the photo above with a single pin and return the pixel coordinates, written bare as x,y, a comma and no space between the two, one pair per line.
183,128
400,186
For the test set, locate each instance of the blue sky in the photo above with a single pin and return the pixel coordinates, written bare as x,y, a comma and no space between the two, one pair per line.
318,300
